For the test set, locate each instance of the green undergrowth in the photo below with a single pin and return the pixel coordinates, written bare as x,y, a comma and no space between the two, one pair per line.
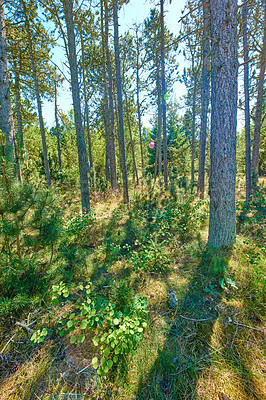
88,314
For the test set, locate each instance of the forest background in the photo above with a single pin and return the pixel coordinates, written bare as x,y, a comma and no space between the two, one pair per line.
132,253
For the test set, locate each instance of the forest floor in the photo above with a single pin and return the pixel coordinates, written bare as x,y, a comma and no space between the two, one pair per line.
203,340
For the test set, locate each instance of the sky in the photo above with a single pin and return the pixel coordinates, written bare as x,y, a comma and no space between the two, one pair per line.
135,11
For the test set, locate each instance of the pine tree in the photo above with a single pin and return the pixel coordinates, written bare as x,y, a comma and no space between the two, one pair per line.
82,152
205,95
224,75
247,107
259,103
121,137
6,119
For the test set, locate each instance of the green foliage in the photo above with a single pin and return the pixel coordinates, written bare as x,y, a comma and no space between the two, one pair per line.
79,226
30,217
251,217
39,336
151,256
115,333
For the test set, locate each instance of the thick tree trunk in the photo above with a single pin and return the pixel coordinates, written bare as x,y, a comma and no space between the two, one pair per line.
247,108
205,95
6,119
165,172
110,100
138,106
37,94
57,126
82,151
120,105
258,115
223,122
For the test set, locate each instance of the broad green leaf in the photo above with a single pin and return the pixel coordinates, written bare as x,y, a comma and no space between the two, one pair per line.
73,339
95,362
70,324
44,332
81,338
84,324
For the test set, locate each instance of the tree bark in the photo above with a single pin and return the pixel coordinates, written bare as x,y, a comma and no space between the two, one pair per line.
205,95
106,108
165,172
131,140
120,105
82,151
159,131
193,130
223,123
257,127
57,126
18,111
37,93
138,105
247,108
110,101
6,119
87,125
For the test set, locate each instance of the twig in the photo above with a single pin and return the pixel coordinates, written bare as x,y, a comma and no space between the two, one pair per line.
37,396
10,340
247,326
83,369
197,320
24,326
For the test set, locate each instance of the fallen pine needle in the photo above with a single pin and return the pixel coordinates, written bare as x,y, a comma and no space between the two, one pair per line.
197,320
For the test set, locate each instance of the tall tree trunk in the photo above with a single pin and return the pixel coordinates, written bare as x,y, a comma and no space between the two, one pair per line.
195,82
258,115
37,93
138,105
120,105
6,119
87,125
57,126
131,140
106,108
19,142
82,151
18,111
110,99
159,131
165,173
247,108
223,122
205,95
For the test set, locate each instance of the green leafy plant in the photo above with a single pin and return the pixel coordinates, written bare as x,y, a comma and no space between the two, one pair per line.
210,289
39,336
115,333
227,282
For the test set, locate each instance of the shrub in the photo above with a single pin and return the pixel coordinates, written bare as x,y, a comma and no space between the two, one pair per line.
115,333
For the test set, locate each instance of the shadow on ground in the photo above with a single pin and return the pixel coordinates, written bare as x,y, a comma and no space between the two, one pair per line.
187,350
